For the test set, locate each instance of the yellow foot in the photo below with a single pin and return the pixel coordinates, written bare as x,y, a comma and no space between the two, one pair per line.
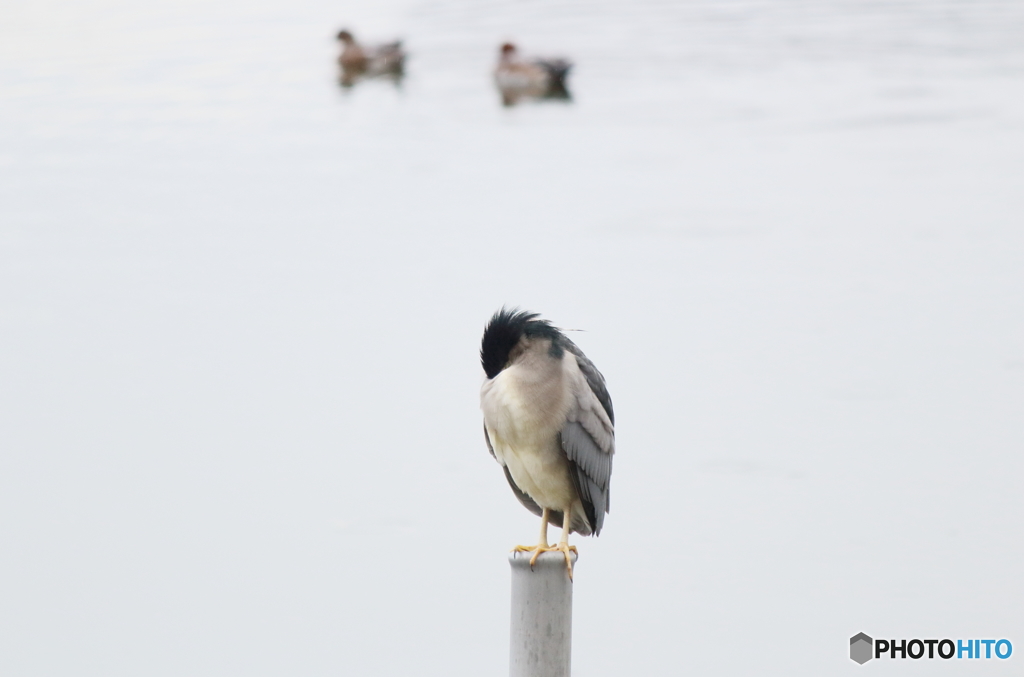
563,548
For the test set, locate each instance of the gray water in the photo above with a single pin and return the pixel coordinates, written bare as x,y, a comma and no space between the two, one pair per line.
240,311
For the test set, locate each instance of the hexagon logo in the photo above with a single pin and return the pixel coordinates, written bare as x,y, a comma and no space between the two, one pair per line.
861,648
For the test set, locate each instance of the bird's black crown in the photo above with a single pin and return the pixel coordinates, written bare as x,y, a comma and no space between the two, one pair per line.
503,332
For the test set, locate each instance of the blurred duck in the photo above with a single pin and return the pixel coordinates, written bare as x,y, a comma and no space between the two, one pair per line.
519,78
358,60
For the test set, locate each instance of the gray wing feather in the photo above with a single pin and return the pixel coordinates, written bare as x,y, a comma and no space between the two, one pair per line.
590,470
594,379
588,439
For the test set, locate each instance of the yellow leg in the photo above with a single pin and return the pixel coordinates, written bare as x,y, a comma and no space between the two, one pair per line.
544,517
542,544
563,545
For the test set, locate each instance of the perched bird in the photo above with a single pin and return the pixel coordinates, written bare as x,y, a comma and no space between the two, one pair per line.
518,78
358,60
548,421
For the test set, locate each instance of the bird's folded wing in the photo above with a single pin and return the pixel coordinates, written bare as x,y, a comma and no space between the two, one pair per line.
595,381
588,439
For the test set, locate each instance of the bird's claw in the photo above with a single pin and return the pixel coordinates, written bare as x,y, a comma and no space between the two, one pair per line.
563,548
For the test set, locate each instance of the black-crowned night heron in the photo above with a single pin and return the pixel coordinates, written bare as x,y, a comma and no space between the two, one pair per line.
548,421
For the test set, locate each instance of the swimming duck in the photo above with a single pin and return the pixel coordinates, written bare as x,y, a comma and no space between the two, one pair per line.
364,60
518,78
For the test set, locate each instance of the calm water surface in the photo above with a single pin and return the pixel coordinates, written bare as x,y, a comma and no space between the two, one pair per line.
240,307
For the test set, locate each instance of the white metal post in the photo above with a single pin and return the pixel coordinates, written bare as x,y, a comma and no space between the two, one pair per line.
541,634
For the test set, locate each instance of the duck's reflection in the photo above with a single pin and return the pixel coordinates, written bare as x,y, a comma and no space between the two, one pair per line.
519,78
357,62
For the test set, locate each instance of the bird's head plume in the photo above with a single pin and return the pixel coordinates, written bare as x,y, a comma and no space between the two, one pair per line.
503,332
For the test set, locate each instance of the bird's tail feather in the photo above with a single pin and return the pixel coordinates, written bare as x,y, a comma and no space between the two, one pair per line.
557,69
